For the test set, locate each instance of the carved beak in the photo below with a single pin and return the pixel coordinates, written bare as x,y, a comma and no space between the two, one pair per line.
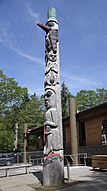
44,27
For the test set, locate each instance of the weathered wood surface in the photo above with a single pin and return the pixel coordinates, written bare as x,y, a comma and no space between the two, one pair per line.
53,172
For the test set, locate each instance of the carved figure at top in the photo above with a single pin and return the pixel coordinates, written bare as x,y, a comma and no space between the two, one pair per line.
51,40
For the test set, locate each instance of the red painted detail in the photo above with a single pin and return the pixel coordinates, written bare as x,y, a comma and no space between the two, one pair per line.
53,155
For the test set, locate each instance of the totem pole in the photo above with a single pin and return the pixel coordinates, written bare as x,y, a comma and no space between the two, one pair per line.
15,136
53,171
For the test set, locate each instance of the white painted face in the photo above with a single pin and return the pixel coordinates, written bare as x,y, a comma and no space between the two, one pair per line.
52,57
52,25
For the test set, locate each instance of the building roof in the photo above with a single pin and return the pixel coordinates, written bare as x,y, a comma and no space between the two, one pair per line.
101,108
98,109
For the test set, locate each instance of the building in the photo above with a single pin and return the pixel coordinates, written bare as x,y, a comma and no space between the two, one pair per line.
90,132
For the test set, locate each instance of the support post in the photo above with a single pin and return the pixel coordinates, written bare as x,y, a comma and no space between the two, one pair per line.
73,130
25,142
53,170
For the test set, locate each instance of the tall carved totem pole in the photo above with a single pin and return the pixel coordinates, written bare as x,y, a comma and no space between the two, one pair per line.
53,172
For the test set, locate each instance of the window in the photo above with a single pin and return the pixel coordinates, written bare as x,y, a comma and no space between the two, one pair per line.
104,132
82,136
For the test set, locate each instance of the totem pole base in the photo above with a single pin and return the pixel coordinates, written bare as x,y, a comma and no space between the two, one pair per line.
53,174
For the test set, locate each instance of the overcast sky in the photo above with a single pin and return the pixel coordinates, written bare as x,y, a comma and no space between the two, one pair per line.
82,36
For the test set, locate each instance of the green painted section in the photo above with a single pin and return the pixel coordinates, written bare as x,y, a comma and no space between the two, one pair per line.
52,14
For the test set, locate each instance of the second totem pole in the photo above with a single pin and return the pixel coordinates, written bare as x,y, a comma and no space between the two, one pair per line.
53,170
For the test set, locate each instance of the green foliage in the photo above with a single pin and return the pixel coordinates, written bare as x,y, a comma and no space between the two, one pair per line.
102,95
6,140
17,106
84,98
90,98
32,112
65,94
12,94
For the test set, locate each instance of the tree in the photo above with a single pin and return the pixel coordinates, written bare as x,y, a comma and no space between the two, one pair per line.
32,112
12,98
17,106
6,140
102,95
85,99
11,93
90,98
65,94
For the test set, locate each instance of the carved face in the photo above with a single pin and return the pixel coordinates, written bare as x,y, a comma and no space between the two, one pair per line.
51,57
49,98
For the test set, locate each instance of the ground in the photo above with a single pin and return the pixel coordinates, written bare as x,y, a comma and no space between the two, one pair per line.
81,179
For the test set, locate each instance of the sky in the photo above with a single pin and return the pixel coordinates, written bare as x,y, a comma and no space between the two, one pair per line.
82,42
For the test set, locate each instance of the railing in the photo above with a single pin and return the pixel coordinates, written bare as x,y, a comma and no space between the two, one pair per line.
76,159
36,158
37,161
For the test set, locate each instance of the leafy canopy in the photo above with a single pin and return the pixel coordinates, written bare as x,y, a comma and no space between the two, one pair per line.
16,105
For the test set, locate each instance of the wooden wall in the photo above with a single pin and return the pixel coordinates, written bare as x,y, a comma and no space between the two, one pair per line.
93,129
66,136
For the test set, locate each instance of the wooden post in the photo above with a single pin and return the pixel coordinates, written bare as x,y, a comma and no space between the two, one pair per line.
53,171
15,136
73,130
25,142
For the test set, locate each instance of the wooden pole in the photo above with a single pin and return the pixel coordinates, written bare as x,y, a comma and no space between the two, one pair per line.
73,130
15,136
53,170
25,143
